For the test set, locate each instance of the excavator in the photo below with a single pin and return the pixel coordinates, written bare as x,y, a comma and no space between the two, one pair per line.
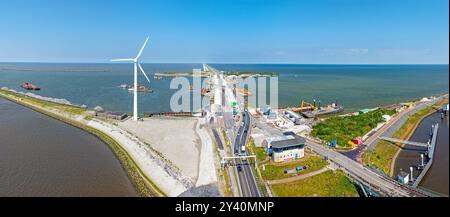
305,104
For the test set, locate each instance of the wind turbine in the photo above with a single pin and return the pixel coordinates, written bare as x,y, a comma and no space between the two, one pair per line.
136,65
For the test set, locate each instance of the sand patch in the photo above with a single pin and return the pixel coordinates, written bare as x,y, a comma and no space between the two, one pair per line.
174,138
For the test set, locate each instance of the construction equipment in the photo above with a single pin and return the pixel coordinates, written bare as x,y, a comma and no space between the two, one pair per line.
312,106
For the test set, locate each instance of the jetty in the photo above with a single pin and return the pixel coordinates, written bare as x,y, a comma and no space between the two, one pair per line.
431,149
174,114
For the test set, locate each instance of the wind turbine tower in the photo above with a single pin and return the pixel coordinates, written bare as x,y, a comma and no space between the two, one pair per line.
136,65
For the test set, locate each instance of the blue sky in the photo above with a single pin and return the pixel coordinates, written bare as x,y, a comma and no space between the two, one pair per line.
227,31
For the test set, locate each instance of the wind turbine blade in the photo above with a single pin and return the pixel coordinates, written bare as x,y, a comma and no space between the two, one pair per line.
143,72
142,48
122,60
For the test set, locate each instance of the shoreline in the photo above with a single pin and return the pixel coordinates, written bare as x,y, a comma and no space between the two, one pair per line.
141,183
180,74
347,112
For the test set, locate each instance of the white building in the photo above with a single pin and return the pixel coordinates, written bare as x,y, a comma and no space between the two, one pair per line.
425,99
386,118
258,139
286,148
270,118
403,177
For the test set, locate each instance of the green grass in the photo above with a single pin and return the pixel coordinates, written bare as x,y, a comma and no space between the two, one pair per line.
384,152
227,142
257,151
226,177
65,108
344,129
326,184
275,171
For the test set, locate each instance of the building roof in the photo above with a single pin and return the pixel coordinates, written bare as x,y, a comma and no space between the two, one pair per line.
286,141
403,174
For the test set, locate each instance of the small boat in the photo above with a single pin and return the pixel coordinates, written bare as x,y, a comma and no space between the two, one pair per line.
141,88
157,77
124,86
29,86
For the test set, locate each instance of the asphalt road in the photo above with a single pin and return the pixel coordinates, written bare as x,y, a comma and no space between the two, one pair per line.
245,176
247,181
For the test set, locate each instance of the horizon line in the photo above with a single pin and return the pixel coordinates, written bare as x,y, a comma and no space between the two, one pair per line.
243,63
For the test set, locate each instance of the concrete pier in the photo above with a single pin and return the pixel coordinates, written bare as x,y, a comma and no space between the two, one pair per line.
431,149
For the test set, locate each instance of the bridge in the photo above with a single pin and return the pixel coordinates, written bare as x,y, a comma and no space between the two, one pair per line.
174,114
394,140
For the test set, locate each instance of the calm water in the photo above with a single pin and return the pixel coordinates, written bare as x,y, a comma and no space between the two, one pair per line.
40,156
356,86
437,177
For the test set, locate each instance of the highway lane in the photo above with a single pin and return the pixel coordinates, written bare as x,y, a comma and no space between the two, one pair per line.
249,187
246,179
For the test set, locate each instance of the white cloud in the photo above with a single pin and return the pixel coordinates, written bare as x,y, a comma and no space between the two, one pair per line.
356,51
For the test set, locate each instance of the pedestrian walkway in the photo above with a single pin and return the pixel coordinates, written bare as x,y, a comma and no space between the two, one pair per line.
299,177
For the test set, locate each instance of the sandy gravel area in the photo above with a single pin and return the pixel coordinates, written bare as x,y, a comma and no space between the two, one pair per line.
168,180
175,138
207,171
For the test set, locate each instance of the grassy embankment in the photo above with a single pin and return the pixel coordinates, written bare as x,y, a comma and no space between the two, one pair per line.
74,110
384,154
224,178
344,129
227,192
143,187
259,152
326,184
223,172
